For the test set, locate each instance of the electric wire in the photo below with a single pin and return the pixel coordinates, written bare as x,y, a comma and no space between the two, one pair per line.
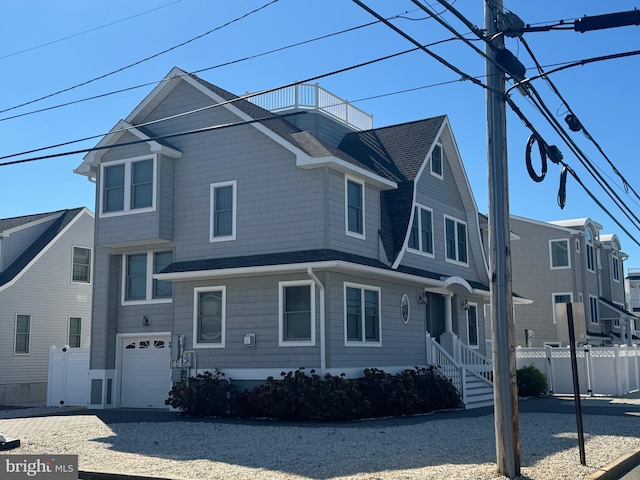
626,184
68,37
113,72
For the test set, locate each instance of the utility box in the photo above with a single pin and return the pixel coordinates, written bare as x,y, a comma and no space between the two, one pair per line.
179,375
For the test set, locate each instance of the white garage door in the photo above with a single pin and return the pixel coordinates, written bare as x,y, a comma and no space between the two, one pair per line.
146,374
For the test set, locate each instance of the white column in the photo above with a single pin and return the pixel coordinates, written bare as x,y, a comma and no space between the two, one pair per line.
448,316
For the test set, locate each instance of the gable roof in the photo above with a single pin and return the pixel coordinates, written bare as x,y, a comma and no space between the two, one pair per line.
14,222
46,238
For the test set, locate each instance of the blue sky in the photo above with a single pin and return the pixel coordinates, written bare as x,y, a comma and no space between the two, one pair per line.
48,46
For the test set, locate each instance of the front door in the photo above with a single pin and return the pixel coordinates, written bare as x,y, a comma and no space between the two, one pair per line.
435,315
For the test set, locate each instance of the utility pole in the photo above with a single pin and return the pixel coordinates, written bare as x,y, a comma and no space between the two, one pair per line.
502,326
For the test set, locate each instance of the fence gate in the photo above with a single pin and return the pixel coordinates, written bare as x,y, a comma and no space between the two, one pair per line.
68,377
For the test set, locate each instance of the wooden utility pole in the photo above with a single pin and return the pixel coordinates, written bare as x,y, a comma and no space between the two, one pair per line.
503,328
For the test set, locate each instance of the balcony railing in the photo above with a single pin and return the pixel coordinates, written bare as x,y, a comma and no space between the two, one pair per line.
307,96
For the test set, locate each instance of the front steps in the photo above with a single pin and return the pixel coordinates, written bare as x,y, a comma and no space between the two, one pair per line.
479,393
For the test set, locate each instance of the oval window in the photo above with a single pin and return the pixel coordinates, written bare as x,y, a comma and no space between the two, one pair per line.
404,308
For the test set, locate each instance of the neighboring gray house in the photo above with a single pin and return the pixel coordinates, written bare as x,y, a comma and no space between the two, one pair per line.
568,261
45,297
258,243
632,288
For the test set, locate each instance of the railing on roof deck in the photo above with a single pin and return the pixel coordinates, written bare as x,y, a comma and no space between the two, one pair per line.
307,96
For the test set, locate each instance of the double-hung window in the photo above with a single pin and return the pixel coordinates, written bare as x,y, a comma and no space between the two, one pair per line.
593,309
297,313
421,236
559,253
22,335
209,307
362,315
589,250
354,204
455,240
128,186
472,325
81,265
138,281
223,211
75,332
560,298
436,161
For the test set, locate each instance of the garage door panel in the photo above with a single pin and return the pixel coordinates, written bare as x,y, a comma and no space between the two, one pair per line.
146,372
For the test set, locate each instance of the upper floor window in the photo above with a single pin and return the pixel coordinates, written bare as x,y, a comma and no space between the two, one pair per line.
297,313
593,308
139,285
455,240
560,298
354,202
436,161
22,335
559,251
589,250
472,325
362,315
421,236
81,267
209,317
223,211
616,265
128,186
75,332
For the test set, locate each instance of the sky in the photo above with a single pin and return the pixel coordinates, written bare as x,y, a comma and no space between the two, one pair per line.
92,49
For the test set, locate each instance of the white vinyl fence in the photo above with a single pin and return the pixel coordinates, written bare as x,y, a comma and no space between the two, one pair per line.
68,377
601,370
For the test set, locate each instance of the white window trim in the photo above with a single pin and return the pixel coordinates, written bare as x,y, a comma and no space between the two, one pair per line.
349,233
212,188
473,304
590,250
69,328
557,240
196,292
420,251
615,266
577,245
553,302
593,300
446,258
15,334
436,174
149,284
75,282
127,187
363,342
296,343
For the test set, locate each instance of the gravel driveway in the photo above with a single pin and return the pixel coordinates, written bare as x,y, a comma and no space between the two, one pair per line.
427,447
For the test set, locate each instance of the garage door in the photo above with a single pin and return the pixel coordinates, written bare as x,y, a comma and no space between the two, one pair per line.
146,379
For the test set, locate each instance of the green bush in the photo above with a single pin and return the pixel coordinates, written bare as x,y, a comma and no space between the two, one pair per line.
206,395
298,396
531,382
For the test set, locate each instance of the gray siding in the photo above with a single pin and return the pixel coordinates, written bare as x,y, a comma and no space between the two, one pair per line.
46,293
321,126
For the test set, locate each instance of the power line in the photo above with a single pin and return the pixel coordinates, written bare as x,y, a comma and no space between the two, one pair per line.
237,19
87,31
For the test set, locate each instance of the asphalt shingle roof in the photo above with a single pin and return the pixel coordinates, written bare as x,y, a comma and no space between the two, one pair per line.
39,244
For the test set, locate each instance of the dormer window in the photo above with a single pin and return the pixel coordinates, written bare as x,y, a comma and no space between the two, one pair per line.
128,186
354,203
436,161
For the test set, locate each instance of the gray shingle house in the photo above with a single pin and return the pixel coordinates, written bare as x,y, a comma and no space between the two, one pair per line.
568,261
232,237
45,297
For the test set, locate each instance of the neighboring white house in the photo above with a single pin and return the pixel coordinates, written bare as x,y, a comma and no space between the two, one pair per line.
45,296
632,287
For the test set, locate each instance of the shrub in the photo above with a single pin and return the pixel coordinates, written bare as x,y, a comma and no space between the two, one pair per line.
531,382
206,395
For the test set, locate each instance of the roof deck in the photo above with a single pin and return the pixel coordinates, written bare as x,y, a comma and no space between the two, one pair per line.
306,96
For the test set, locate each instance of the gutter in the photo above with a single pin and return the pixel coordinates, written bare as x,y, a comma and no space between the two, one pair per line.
323,344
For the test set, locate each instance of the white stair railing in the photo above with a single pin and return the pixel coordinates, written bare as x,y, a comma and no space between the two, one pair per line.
475,362
447,365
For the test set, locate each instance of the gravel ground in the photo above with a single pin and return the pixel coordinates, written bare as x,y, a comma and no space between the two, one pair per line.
461,448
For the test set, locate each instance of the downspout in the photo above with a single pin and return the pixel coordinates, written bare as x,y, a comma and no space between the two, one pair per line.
323,351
